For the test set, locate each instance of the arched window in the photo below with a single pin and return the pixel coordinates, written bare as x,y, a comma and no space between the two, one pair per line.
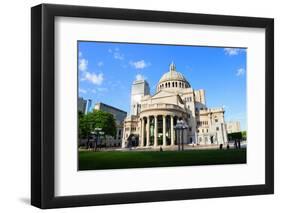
176,84
169,84
173,84
165,85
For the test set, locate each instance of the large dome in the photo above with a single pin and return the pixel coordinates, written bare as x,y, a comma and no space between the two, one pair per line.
173,79
172,76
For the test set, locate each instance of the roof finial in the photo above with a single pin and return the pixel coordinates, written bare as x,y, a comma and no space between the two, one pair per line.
172,66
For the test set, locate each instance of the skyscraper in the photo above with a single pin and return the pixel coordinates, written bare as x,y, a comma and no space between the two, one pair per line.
84,106
139,89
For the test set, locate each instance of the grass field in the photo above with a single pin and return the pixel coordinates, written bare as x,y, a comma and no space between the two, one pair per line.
89,160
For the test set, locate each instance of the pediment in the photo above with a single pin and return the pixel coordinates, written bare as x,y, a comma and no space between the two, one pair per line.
163,94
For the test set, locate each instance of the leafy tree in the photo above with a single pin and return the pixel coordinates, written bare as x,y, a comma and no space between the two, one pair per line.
96,119
244,135
235,136
104,120
238,135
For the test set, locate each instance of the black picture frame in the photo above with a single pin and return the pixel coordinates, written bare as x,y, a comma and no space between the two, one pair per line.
43,110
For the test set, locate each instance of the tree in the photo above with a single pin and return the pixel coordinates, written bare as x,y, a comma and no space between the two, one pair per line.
96,119
238,135
235,136
85,128
104,120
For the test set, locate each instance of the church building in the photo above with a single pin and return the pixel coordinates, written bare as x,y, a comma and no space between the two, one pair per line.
152,121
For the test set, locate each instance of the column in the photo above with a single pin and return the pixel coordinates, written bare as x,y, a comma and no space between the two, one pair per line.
155,131
142,132
147,131
164,131
172,131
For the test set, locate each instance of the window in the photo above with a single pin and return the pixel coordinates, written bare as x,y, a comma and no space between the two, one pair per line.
207,130
217,128
216,120
173,84
190,129
188,115
190,140
202,130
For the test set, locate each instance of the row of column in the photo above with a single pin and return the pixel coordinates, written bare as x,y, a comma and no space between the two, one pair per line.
143,128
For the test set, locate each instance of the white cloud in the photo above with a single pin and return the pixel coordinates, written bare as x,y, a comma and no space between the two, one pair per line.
82,91
232,51
118,56
100,64
116,53
141,64
139,77
240,72
83,64
94,78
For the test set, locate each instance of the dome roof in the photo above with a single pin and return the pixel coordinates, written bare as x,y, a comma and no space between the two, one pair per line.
173,75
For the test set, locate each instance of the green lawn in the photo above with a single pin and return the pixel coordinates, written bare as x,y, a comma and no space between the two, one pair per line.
89,160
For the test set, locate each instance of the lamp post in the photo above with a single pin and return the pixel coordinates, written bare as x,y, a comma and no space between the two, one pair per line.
97,132
180,127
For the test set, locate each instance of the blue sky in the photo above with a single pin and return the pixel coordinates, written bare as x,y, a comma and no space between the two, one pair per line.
107,70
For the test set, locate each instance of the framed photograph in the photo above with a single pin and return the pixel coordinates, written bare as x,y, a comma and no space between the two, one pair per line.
136,106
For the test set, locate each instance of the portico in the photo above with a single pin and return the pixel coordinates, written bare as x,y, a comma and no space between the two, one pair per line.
157,127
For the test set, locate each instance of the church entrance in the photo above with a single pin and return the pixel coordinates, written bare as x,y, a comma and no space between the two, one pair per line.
133,141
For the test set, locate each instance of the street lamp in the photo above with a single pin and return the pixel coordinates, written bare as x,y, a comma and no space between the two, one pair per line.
180,127
97,132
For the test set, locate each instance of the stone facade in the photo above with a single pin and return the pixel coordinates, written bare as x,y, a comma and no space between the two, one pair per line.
233,126
153,124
